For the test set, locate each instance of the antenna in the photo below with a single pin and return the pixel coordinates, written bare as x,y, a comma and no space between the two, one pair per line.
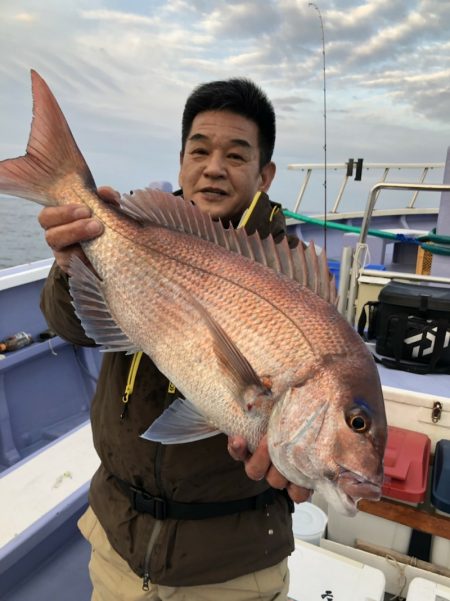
314,5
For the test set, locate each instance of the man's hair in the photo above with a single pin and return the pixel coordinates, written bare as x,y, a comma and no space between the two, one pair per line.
240,96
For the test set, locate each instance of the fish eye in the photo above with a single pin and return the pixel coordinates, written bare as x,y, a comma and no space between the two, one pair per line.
358,420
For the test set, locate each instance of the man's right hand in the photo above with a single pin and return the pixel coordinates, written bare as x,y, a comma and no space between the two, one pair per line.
67,225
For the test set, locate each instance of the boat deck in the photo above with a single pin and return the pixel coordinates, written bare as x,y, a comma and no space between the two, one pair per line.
63,575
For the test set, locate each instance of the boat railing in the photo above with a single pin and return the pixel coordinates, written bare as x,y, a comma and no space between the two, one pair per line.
11,277
359,255
354,169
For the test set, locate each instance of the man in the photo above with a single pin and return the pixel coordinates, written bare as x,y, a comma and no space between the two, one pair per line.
182,521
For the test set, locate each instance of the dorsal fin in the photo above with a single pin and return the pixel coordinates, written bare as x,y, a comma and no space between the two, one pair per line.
299,263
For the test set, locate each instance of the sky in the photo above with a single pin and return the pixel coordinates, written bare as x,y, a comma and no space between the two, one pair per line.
121,71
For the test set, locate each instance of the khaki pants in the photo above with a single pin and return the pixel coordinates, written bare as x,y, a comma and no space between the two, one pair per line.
113,580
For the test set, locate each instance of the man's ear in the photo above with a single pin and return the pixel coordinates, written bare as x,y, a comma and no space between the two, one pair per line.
267,175
180,183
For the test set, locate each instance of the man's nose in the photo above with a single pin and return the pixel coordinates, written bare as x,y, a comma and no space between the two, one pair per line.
215,166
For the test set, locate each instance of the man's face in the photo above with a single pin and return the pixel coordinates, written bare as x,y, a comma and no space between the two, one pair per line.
220,169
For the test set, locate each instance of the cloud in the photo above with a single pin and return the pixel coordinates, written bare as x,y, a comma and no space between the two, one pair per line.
243,20
115,16
24,17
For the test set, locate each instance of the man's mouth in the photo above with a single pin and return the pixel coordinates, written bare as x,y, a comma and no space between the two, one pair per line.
213,192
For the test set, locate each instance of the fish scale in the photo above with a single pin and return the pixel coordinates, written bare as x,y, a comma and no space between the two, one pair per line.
173,338
264,347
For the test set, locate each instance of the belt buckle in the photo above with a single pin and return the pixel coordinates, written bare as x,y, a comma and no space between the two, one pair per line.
144,502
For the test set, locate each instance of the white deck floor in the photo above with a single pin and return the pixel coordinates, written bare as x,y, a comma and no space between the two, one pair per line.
38,484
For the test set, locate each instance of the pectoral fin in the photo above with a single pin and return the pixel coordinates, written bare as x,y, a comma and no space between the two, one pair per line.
247,388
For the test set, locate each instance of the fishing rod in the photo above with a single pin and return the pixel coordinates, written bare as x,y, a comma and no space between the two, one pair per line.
314,5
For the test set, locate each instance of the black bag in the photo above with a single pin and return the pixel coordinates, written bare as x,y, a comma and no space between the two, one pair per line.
411,324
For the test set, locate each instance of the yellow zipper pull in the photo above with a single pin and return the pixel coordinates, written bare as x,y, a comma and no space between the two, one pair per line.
130,382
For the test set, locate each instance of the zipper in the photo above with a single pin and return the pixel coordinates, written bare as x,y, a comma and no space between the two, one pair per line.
130,382
159,455
148,552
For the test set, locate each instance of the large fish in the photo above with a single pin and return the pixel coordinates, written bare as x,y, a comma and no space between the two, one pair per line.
231,320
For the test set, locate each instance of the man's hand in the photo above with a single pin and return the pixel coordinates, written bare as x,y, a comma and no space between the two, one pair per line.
67,225
259,466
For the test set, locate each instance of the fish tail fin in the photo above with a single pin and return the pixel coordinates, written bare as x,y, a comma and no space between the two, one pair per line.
51,153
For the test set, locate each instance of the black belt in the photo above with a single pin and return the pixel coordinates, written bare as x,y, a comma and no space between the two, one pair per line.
162,509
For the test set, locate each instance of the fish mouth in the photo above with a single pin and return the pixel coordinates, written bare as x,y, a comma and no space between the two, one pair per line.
355,487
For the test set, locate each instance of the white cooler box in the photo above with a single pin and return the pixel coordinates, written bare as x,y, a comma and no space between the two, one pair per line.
425,590
320,575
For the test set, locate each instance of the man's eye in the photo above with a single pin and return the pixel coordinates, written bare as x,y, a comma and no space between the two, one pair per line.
200,151
236,157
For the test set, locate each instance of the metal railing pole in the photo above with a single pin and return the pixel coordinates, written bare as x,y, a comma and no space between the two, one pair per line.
361,246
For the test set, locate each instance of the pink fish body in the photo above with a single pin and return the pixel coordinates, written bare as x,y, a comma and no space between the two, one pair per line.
229,319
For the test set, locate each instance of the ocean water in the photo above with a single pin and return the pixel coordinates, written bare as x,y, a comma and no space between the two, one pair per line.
21,236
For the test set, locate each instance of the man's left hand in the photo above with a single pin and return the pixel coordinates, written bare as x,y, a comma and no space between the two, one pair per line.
258,466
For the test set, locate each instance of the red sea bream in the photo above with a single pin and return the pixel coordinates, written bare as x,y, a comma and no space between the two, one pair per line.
244,328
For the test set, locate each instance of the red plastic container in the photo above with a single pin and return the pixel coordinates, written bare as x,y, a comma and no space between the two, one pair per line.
406,465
